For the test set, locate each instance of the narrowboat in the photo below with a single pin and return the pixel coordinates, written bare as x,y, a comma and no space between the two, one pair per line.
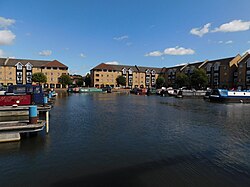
22,95
224,96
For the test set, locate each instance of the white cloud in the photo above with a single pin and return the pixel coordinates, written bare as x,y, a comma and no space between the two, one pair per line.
1,53
201,31
82,55
178,51
154,53
220,42
6,37
4,23
112,63
120,38
45,53
248,42
172,51
233,26
229,42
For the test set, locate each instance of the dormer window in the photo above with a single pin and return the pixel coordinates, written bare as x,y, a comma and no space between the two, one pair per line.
29,66
130,71
124,70
147,72
209,67
216,66
19,66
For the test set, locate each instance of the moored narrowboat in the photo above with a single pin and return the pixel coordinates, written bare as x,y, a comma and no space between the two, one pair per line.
22,95
226,96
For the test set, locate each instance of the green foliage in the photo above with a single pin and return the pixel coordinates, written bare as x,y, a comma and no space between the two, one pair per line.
199,79
79,82
160,82
39,77
87,80
65,80
121,80
182,80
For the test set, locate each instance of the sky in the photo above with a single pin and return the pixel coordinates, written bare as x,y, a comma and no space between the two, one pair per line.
155,33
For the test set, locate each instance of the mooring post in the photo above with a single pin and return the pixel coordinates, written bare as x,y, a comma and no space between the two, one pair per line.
47,122
45,101
33,114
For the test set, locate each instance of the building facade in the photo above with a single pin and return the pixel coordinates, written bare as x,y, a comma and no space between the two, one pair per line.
136,76
20,71
221,73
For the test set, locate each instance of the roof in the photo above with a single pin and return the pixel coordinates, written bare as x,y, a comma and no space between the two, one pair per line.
244,58
120,67
35,63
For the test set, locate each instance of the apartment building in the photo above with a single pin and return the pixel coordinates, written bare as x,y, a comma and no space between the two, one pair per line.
222,73
243,72
136,76
19,71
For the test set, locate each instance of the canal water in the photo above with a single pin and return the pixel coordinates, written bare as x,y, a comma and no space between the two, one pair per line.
129,140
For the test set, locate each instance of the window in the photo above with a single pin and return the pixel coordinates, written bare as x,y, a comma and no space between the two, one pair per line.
19,66
54,68
51,73
58,85
97,75
130,71
124,71
153,72
97,80
216,66
248,62
52,85
209,67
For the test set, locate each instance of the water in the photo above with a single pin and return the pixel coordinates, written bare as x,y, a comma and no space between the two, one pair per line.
128,140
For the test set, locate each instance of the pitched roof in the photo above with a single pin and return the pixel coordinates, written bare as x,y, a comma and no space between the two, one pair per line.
120,67
244,58
35,63
54,63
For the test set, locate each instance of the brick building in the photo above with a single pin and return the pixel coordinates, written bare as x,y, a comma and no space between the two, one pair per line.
19,71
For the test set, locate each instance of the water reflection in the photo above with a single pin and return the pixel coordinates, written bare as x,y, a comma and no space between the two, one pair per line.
129,140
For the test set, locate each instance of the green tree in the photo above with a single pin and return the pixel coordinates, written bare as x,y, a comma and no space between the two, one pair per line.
65,80
182,80
120,80
160,82
79,82
39,77
199,79
87,80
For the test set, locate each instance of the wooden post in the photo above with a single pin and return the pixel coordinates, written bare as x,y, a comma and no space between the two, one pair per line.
47,122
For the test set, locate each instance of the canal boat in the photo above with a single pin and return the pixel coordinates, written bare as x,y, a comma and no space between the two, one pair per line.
22,95
90,90
224,96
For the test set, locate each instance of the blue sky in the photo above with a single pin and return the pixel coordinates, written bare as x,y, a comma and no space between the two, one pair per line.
156,33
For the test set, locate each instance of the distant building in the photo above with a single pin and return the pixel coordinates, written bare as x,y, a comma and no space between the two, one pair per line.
19,71
136,76
243,72
222,73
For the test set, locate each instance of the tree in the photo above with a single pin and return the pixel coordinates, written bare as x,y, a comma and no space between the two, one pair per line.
160,81
121,80
182,80
79,82
87,80
65,80
199,79
39,77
